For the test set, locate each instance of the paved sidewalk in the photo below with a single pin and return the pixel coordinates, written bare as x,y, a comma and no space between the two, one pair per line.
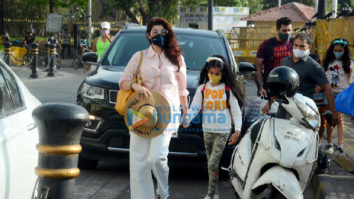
339,181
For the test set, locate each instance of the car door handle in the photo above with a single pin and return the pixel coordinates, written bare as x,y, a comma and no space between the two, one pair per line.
31,126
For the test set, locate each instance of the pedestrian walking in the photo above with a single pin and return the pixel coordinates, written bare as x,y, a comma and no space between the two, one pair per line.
310,72
29,39
162,70
271,51
215,97
101,43
53,40
337,64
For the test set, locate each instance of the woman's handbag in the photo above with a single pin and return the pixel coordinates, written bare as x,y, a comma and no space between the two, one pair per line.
124,95
345,101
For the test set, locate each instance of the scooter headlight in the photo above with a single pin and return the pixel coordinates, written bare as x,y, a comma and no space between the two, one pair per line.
311,117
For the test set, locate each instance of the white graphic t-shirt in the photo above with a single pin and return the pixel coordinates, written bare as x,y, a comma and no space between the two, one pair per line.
216,117
338,79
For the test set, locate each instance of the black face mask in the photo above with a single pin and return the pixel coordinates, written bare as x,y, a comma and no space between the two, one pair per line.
284,37
159,40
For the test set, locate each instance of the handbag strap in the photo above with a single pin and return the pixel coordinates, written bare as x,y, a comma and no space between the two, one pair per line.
137,79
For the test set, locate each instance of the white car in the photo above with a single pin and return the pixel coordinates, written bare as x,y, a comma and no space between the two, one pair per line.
18,136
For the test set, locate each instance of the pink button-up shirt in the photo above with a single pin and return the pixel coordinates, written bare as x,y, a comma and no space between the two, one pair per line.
160,75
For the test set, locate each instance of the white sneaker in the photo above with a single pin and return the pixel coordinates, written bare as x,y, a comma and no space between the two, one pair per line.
329,149
216,196
207,197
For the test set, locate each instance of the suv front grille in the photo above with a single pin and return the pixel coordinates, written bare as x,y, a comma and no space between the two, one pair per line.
113,96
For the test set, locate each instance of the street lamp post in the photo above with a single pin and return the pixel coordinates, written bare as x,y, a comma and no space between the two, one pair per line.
210,14
322,5
89,25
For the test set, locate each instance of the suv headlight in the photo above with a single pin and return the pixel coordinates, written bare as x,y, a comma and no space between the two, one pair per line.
311,117
92,92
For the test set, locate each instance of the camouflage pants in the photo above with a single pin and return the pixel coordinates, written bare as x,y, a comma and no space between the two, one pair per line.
214,146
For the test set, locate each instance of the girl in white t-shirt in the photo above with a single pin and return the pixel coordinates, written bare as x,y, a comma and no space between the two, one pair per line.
337,66
215,98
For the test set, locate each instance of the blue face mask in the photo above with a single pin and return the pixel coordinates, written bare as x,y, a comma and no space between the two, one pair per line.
338,55
159,40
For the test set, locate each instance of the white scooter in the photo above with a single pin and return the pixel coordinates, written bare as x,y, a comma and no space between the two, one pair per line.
277,155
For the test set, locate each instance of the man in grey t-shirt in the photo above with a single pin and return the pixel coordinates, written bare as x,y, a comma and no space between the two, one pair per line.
310,72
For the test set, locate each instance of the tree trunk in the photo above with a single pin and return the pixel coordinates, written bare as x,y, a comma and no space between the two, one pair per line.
2,25
131,15
51,6
143,13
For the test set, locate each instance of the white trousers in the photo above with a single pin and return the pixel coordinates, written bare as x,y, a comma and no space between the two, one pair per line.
146,155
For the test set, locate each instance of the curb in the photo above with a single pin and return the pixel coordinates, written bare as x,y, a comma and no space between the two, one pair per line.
346,162
325,187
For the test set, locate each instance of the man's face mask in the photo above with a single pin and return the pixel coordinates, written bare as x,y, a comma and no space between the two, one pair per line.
284,37
159,40
301,53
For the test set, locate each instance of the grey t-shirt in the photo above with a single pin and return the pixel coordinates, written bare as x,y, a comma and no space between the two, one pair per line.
310,74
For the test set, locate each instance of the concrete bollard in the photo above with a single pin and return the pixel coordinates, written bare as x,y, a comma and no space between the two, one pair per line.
7,52
34,53
60,128
53,53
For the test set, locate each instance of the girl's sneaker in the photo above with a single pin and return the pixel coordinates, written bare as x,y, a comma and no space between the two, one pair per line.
340,150
216,196
329,149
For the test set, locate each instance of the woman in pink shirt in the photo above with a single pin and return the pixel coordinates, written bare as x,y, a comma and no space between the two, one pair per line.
163,70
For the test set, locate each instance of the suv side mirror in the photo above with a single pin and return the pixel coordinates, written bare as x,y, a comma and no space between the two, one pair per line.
246,68
90,57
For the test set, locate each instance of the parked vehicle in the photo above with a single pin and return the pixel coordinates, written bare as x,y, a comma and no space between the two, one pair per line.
106,135
18,136
276,157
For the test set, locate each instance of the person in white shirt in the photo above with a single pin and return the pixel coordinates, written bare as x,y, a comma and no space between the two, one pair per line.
337,67
215,98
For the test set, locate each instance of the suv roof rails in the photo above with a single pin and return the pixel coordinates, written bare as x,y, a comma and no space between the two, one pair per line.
132,25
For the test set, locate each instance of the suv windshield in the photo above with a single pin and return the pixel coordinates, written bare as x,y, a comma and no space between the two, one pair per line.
196,49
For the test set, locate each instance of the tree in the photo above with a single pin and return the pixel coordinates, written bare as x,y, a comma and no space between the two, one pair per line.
168,9
147,9
271,3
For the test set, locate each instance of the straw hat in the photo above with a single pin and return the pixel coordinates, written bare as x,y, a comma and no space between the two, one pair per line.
147,117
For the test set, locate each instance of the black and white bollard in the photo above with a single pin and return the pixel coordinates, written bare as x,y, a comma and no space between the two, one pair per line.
34,53
53,53
7,52
60,127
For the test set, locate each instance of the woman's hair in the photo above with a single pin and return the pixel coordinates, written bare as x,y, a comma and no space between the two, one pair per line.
172,50
330,57
228,76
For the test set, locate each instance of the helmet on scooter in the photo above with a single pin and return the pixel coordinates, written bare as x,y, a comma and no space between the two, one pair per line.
283,81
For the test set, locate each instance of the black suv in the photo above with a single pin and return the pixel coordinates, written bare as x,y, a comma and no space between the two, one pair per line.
106,135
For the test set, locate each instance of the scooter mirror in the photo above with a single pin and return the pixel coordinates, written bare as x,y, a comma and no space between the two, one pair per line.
329,117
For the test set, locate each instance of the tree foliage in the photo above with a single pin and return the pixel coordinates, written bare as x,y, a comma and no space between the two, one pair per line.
146,9
271,3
